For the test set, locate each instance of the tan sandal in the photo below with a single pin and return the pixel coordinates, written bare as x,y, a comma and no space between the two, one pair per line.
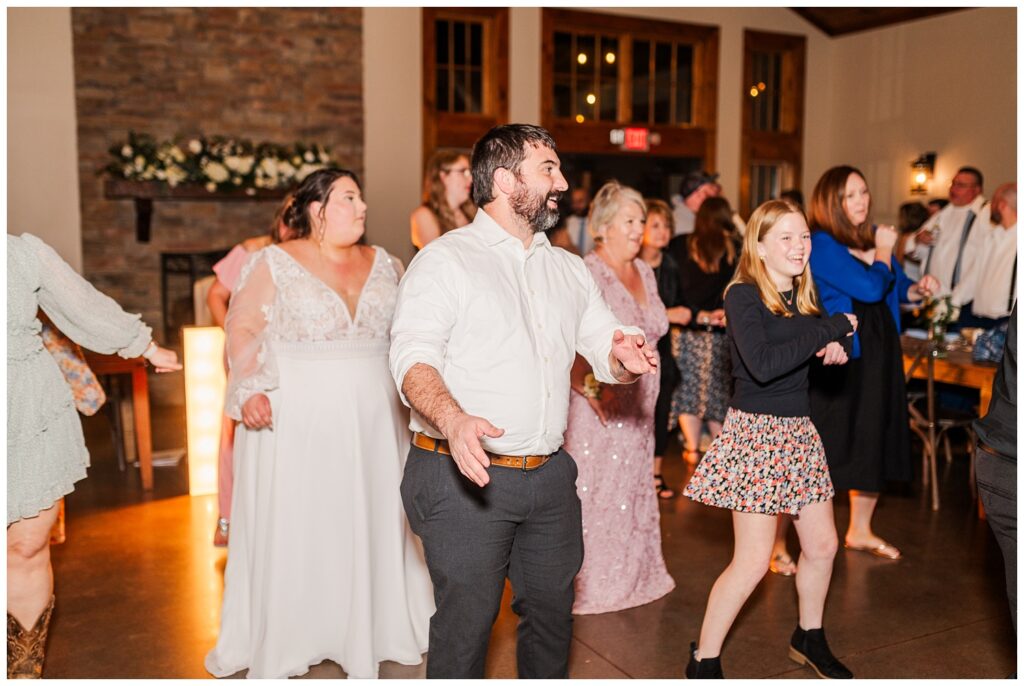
782,564
882,550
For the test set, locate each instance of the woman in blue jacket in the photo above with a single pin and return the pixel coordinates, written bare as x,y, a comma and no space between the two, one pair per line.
860,409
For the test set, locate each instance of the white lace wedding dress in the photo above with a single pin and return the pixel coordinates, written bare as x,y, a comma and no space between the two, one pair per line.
321,563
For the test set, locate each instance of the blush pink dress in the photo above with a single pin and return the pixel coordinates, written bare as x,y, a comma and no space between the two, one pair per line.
622,565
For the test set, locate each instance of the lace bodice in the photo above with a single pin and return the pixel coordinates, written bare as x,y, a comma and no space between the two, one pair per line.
277,299
306,309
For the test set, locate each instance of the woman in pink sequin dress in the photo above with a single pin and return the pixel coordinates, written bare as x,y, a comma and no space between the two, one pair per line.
611,433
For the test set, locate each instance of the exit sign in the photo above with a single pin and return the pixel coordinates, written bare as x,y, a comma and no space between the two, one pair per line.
633,138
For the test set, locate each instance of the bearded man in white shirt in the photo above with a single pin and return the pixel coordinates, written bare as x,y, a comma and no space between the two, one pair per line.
488,322
992,289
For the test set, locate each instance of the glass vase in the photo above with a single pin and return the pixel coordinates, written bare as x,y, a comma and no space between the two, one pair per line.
937,338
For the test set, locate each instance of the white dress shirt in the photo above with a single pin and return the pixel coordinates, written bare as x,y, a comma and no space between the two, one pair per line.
682,216
994,276
741,226
502,324
940,260
685,218
579,234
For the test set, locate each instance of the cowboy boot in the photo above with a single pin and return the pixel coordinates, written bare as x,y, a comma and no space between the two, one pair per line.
26,649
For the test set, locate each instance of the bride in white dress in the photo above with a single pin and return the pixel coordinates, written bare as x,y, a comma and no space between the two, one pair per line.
322,563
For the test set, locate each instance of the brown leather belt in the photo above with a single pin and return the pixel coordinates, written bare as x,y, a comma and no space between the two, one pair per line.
526,462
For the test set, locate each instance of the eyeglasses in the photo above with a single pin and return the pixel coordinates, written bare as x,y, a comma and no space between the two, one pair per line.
459,170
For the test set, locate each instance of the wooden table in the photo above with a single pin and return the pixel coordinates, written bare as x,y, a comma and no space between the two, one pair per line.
136,367
956,367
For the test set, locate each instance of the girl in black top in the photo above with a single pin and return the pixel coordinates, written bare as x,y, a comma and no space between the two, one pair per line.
769,460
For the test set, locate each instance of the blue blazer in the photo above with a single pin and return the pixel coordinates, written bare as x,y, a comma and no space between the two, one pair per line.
841,278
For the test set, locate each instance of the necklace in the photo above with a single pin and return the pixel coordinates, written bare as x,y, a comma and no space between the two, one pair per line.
789,300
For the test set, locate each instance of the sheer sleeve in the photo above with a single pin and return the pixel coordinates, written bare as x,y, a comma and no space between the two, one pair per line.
252,367
85,315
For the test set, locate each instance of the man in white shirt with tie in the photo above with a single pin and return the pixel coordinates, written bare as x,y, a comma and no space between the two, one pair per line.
992,288
695,187
576,222
950,243
488,322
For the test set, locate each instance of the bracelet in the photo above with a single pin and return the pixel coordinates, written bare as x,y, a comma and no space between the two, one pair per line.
150,350
591,387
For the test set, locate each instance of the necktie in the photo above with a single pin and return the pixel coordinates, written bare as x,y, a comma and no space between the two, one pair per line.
960,252
1013,287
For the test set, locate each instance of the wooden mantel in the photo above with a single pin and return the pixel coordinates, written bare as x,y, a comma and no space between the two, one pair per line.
145,192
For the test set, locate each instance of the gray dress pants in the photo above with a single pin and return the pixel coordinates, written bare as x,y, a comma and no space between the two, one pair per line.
525,525
997,484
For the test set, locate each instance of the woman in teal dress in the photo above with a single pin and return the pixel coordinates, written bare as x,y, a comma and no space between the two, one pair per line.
46,451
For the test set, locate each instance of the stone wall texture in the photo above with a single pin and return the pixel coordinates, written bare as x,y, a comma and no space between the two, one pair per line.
279,75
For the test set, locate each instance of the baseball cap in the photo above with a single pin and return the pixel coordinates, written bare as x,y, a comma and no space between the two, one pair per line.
693,181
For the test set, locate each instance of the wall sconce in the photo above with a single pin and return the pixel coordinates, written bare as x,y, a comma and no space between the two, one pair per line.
921,171
205,382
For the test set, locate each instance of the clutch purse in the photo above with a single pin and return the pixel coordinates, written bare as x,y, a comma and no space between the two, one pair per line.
85,388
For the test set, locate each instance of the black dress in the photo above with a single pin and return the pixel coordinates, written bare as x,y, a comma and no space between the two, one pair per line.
701,352
668,278
860,408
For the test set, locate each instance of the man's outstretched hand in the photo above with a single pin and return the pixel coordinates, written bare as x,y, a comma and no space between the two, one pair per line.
634,354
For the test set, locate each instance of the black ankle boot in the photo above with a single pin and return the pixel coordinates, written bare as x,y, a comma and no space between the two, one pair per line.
810,648
708,668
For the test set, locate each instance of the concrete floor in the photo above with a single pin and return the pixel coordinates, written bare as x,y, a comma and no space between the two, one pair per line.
139,589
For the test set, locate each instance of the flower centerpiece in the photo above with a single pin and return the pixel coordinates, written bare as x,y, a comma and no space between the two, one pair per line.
938,313
217,164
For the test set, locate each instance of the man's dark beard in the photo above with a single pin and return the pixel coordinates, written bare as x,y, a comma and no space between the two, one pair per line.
534,209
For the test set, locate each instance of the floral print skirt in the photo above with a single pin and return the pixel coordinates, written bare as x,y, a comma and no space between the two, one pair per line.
763,463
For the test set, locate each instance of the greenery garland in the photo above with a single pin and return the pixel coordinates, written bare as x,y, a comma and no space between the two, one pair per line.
217,163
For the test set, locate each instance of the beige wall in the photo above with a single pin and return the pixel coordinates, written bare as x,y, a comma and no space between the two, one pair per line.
42,154
392,98
524,60
946,84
